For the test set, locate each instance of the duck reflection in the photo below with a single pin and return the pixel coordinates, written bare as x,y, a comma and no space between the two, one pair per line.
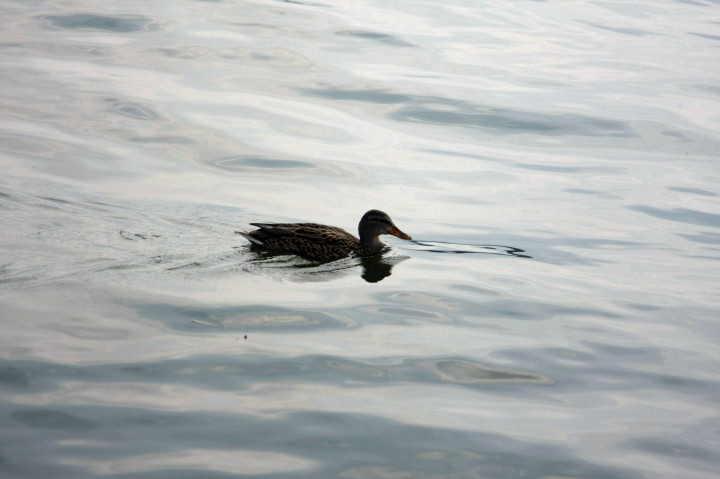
376,268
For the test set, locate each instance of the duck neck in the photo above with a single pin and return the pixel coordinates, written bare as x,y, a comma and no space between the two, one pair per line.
370,243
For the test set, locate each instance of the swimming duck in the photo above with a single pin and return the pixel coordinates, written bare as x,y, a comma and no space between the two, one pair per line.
321,242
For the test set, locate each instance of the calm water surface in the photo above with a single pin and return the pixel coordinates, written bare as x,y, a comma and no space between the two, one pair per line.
556,164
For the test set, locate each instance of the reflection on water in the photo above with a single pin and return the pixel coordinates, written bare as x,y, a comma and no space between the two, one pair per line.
141,338
376,268
282,266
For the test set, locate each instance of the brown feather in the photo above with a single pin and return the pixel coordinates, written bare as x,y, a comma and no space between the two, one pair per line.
310,240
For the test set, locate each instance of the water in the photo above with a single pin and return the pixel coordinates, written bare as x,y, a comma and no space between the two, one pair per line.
555,315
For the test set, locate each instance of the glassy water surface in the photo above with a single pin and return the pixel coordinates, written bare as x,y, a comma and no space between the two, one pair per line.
555,316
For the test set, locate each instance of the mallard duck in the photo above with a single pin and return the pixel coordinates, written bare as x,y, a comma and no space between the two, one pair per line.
321,242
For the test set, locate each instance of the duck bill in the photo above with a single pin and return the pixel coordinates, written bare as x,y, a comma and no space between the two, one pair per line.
396,232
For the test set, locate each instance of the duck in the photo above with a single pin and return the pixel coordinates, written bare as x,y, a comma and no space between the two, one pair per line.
324,243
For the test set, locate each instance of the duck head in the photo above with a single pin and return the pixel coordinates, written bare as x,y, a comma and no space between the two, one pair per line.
375,223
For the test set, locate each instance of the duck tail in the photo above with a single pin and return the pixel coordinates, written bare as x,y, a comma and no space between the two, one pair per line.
249,237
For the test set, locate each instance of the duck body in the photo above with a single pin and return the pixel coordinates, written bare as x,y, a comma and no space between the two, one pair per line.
320,242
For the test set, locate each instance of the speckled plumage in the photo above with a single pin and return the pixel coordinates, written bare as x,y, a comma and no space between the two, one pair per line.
321,242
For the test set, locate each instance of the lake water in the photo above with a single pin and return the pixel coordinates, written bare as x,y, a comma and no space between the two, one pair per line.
555,316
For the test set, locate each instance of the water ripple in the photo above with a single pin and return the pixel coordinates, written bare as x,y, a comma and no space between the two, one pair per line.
454,112
376,37
457,248
242,163
682,215
109,23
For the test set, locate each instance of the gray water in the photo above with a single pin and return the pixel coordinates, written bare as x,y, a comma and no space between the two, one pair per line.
556,315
